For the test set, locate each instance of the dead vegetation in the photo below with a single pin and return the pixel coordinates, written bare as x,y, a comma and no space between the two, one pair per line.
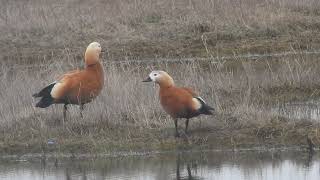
38,31
127,114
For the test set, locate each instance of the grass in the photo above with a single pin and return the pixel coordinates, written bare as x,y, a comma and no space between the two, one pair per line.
41,40
37,31
127,114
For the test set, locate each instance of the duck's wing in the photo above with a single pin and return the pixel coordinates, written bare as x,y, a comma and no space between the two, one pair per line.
198,103
65,84
56,90
190,91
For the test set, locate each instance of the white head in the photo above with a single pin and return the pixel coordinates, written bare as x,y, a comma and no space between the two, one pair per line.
94,46
160,77
92,53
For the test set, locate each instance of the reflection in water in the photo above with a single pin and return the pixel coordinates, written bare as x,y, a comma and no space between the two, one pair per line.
246,165
189,176
309,159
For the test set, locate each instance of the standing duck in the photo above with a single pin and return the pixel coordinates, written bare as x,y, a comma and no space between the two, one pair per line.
178,102
76,87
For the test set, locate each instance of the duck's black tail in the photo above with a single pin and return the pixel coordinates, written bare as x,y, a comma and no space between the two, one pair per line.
205,109
46,98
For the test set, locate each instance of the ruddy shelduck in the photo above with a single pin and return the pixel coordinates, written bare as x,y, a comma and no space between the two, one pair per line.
76,87
178,102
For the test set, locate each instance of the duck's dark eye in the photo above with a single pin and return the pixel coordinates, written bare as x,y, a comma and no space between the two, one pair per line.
154,74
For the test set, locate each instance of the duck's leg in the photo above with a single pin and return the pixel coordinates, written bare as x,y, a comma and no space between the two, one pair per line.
176,126
187,123
81,110
64,112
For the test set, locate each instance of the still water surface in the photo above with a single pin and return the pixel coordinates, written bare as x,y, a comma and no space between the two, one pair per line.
244,165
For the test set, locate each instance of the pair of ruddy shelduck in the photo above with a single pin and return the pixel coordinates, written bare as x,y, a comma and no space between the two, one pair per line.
82,86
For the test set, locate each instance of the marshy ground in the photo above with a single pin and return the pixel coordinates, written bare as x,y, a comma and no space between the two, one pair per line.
41,40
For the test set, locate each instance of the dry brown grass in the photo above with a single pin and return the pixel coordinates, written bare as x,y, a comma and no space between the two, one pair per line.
127,113
37,30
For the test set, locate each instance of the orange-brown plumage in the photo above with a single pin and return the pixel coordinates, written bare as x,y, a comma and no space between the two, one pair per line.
76,87
178,102
80,87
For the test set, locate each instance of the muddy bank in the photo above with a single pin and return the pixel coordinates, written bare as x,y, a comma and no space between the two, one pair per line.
227,133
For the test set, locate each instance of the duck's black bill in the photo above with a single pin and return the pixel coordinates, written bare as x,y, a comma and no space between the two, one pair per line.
147,80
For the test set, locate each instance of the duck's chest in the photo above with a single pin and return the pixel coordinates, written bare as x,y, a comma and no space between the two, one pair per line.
172,102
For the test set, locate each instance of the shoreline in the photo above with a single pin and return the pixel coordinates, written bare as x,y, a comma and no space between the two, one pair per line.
125,154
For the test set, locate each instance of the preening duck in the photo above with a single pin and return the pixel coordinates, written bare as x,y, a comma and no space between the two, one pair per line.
76,87
178,102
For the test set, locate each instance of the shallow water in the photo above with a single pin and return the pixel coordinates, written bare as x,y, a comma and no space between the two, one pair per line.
246,165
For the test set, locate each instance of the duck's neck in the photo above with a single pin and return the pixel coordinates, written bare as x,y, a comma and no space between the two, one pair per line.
91,58
95,66
166,84
96,69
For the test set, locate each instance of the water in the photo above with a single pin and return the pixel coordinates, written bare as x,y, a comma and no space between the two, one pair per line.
247,165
